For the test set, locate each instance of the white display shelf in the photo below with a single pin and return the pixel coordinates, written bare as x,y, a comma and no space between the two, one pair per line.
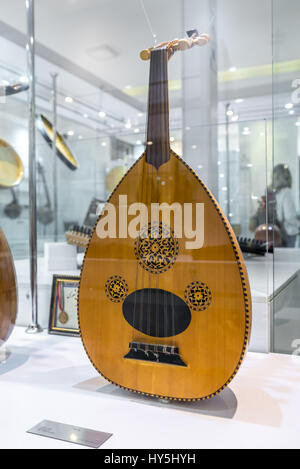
272,279
50,377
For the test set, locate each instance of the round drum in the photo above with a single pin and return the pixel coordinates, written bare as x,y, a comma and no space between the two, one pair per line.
114,176
11,166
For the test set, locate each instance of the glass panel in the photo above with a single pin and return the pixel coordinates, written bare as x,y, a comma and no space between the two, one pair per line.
220,117
14,213
286,176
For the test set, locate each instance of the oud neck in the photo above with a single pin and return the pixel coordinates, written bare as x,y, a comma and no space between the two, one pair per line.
158,133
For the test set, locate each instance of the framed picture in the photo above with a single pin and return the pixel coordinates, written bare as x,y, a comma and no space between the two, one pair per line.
63,313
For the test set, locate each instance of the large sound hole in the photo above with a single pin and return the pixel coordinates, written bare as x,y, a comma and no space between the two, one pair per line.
156,313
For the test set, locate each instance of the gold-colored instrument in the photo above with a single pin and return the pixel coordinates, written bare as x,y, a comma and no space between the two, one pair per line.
11,166
160,315
114,176
63,151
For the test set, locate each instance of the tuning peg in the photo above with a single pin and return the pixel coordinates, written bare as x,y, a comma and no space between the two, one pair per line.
146,54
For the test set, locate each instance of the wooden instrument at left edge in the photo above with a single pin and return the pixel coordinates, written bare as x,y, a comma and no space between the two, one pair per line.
8,291
164,300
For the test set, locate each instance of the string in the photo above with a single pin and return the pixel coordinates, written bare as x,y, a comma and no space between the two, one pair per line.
154,102
144,164
137,264
148,22
156,314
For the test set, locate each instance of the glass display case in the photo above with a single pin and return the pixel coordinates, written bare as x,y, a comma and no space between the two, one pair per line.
233,116
286,101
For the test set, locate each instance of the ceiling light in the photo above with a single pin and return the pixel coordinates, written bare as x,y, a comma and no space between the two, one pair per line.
140,114
104,144
102,114
24,79
136,131
297,124
239,101
194,147
80,137
70,133
69,99
229,113
291,113
233,69
289,106
172,139
138,142
235,118
128,125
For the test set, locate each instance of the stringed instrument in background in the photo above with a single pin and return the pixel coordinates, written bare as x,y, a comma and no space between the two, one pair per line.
8,291
157,316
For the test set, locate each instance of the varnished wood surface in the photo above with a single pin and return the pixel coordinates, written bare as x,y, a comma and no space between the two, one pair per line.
215,343
8,291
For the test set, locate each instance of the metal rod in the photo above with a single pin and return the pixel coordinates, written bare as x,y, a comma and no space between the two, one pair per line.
228,162
54,92
34,327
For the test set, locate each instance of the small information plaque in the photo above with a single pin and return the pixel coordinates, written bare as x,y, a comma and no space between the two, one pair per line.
70,434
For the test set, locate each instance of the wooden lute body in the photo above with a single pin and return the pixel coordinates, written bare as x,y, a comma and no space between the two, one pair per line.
157,316
8,291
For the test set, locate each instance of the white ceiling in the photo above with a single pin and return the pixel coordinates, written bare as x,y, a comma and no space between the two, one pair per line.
74,27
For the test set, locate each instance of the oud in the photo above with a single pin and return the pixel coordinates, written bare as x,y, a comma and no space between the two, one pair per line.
8,291
156,316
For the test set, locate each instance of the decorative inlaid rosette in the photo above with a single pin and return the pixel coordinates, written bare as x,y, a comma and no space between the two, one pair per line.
156,248
198,296
116,289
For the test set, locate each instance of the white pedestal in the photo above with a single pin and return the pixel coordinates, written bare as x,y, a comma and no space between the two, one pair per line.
60,257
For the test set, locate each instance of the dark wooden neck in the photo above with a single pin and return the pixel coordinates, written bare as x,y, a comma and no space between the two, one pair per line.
158,134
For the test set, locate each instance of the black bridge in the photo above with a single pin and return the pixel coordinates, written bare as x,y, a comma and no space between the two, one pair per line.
166,354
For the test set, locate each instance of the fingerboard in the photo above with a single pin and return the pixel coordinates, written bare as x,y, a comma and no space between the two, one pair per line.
158,134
